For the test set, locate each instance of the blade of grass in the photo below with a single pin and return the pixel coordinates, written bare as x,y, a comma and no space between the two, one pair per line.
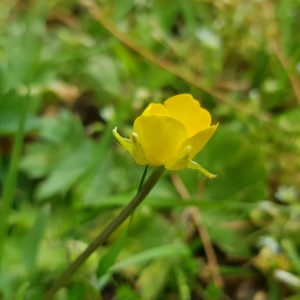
33,239
22,290
183,287
12,176
159,252
108,259
289,247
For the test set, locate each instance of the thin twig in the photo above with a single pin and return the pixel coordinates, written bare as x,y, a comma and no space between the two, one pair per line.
197,219
275,42
283,59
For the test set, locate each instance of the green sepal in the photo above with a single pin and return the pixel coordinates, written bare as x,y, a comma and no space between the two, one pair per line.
125,143
181,160
196,166
138,152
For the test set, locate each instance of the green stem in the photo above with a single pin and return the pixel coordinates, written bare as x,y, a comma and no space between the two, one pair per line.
105,234
143,178
12,176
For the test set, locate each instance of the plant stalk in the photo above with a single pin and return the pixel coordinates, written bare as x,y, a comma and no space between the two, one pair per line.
105,234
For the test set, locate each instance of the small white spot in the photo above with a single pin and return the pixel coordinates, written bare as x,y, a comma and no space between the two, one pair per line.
135,134
287,278
107,113
209,38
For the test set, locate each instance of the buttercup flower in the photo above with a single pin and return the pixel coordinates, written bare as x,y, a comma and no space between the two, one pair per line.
170,134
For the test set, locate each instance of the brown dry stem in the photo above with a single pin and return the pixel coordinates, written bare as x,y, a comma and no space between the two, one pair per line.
197,219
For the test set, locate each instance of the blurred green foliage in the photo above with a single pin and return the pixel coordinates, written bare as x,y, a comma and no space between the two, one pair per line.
75,74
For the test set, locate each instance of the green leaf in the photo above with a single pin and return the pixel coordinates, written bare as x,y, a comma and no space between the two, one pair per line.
238,164
182,283
104,71
108,259
122,8
33,238
68,171
237,271
153,278
230,241
172,251
22,290
125,292
11,106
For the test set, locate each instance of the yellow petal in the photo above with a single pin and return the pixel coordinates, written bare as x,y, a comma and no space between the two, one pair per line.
181,161
195,166
137,150
188,111
198,141
156,109
160,137
125,143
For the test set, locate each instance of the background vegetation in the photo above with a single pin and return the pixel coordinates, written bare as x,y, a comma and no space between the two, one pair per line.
70,71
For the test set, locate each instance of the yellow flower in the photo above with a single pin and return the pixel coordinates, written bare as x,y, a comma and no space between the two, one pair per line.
170,134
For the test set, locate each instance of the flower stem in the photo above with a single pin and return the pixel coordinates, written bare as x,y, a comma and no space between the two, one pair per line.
143,178
105,234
